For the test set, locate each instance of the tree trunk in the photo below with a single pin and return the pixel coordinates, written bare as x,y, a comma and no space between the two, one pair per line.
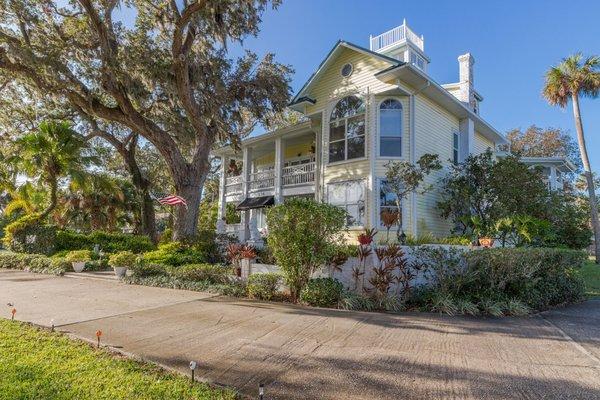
186,218
588,175
53,198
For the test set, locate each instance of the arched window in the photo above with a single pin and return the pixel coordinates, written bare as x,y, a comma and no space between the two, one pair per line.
390,128
347,130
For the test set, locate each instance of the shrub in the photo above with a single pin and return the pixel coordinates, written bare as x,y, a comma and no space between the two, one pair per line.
322,292
34,263
303,236
108,242
174,254
144,269
263,286
78,256
213,273
122,259
28,235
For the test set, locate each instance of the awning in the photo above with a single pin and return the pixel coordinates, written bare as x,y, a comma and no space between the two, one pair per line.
255,202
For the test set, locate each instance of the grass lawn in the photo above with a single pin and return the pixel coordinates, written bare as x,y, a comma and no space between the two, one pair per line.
38,364
591,275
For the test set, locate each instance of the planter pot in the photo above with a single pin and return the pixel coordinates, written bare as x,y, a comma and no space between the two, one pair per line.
78,266
120,271
486,242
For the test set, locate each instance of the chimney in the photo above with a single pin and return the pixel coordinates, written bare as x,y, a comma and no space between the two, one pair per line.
467,91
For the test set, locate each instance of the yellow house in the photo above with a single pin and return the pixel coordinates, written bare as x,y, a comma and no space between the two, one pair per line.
364,107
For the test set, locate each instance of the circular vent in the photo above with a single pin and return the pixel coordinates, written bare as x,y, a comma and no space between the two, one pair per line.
347,70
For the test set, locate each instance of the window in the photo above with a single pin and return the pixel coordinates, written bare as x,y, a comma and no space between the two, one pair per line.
390,128
387,204
347,130
347,70
350,196
417,60
455,148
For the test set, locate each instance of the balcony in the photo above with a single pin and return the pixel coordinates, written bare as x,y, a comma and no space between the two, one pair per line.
292,175
396,36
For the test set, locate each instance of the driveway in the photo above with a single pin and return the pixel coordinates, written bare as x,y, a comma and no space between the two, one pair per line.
306,353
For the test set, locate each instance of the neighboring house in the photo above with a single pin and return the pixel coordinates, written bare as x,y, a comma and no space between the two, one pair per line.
364,108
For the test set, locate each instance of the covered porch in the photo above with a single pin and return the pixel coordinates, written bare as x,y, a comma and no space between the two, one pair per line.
270,168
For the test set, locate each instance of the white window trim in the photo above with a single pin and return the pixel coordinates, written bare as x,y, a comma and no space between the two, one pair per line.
378,123
345,139
402,206
364,182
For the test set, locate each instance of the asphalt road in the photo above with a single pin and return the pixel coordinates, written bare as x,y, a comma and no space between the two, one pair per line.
305,353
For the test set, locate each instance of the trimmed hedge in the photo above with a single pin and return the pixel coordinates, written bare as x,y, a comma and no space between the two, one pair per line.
264,286
34,263
28,235
322,292
175,254
108,242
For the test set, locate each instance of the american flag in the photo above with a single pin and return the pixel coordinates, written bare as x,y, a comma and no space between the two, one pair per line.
172,200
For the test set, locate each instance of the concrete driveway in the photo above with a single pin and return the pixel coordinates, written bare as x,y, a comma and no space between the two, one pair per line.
306,353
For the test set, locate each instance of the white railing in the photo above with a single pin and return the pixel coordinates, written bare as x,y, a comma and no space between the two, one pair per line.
298,174
262,180
233,185
398,34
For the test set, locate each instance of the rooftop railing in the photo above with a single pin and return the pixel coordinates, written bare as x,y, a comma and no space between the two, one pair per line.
396,35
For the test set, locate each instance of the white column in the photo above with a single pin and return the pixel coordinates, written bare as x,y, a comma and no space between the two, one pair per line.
413,159
319,162
246,170
467,138
279,161
552,179
222,194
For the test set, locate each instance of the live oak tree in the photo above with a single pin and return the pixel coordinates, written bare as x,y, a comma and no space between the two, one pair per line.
165,77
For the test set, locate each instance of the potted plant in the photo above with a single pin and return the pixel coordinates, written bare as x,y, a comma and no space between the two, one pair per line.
484,233
78,259
121,261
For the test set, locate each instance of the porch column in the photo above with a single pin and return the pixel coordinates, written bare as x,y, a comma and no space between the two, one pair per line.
279,161
222,194
246,171
552,178
467,138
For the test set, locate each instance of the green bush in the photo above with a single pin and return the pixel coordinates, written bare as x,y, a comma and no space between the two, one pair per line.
108,242
79,256
213,273
28,235
263,286
145,269
322,292
175,254
502,281
34,263
303,236
122,259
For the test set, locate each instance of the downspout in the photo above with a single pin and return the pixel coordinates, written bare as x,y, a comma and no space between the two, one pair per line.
413,153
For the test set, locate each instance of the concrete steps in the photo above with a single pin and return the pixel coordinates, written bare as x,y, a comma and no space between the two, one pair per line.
94,275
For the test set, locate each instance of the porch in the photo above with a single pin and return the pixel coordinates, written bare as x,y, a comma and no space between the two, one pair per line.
284,166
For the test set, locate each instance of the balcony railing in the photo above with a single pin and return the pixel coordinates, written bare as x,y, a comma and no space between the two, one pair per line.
299,174
291,175
394,36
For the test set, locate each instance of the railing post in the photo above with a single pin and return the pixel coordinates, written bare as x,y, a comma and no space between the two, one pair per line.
246,170
278,181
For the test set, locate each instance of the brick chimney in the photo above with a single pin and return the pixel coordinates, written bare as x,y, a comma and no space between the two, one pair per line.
467,91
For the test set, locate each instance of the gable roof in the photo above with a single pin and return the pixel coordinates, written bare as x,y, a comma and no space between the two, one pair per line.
301,96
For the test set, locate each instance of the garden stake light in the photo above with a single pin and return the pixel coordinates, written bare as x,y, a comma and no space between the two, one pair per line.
52,325
98,334
13,312
261,391
193,366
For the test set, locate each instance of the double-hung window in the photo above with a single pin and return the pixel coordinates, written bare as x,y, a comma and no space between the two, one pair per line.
390,128
350,196
347,130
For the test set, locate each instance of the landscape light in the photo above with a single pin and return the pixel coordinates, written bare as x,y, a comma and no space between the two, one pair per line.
261,391
98,334
193,365
52,325
13,312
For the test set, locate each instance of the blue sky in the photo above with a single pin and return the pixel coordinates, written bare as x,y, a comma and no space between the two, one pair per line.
513,42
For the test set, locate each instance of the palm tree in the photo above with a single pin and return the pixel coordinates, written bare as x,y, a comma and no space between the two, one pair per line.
52,152
572,78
